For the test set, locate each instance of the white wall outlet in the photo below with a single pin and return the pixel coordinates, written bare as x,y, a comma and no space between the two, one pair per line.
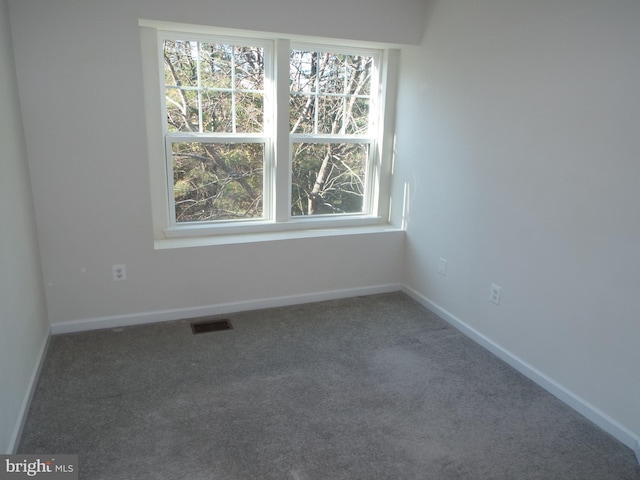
442,266
119,272
494,294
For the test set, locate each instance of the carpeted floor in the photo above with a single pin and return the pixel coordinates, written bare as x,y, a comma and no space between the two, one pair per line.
371,387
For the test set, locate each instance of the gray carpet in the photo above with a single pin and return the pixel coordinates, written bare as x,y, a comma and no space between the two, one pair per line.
365,388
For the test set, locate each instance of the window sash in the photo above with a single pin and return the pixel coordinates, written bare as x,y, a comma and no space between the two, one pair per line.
374,88
370,190
219,139
267,49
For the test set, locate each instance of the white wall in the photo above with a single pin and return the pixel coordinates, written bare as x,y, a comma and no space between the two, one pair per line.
518,134
22,310
80,81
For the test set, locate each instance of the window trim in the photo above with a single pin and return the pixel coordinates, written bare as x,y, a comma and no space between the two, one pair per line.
278,142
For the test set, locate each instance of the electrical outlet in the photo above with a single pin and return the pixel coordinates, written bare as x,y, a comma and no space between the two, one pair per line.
119,272
442,266
494,293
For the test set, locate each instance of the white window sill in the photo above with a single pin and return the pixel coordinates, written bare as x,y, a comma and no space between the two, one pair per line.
270,236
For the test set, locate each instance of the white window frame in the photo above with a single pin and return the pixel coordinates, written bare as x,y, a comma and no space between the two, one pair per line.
276,138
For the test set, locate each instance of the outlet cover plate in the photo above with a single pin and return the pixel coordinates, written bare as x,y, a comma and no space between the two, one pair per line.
119,272
494,293
442,266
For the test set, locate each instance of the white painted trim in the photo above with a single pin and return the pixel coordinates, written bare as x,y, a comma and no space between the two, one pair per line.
219,309
237,32
249,231
26,403
258,237
591,412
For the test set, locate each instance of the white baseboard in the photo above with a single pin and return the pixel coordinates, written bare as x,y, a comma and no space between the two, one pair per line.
588,410
219,309
26,403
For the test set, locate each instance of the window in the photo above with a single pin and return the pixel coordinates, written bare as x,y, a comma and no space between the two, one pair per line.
331,125
216,140
250,134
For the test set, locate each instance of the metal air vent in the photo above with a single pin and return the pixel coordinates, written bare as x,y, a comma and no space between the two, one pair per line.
204,326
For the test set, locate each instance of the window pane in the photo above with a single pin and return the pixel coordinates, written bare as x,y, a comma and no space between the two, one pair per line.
302,71
217,113
182,110
328,178
249,68
358,73
217,181
301,116
357,118
215,65
332,72
180,63
330,114
249,112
